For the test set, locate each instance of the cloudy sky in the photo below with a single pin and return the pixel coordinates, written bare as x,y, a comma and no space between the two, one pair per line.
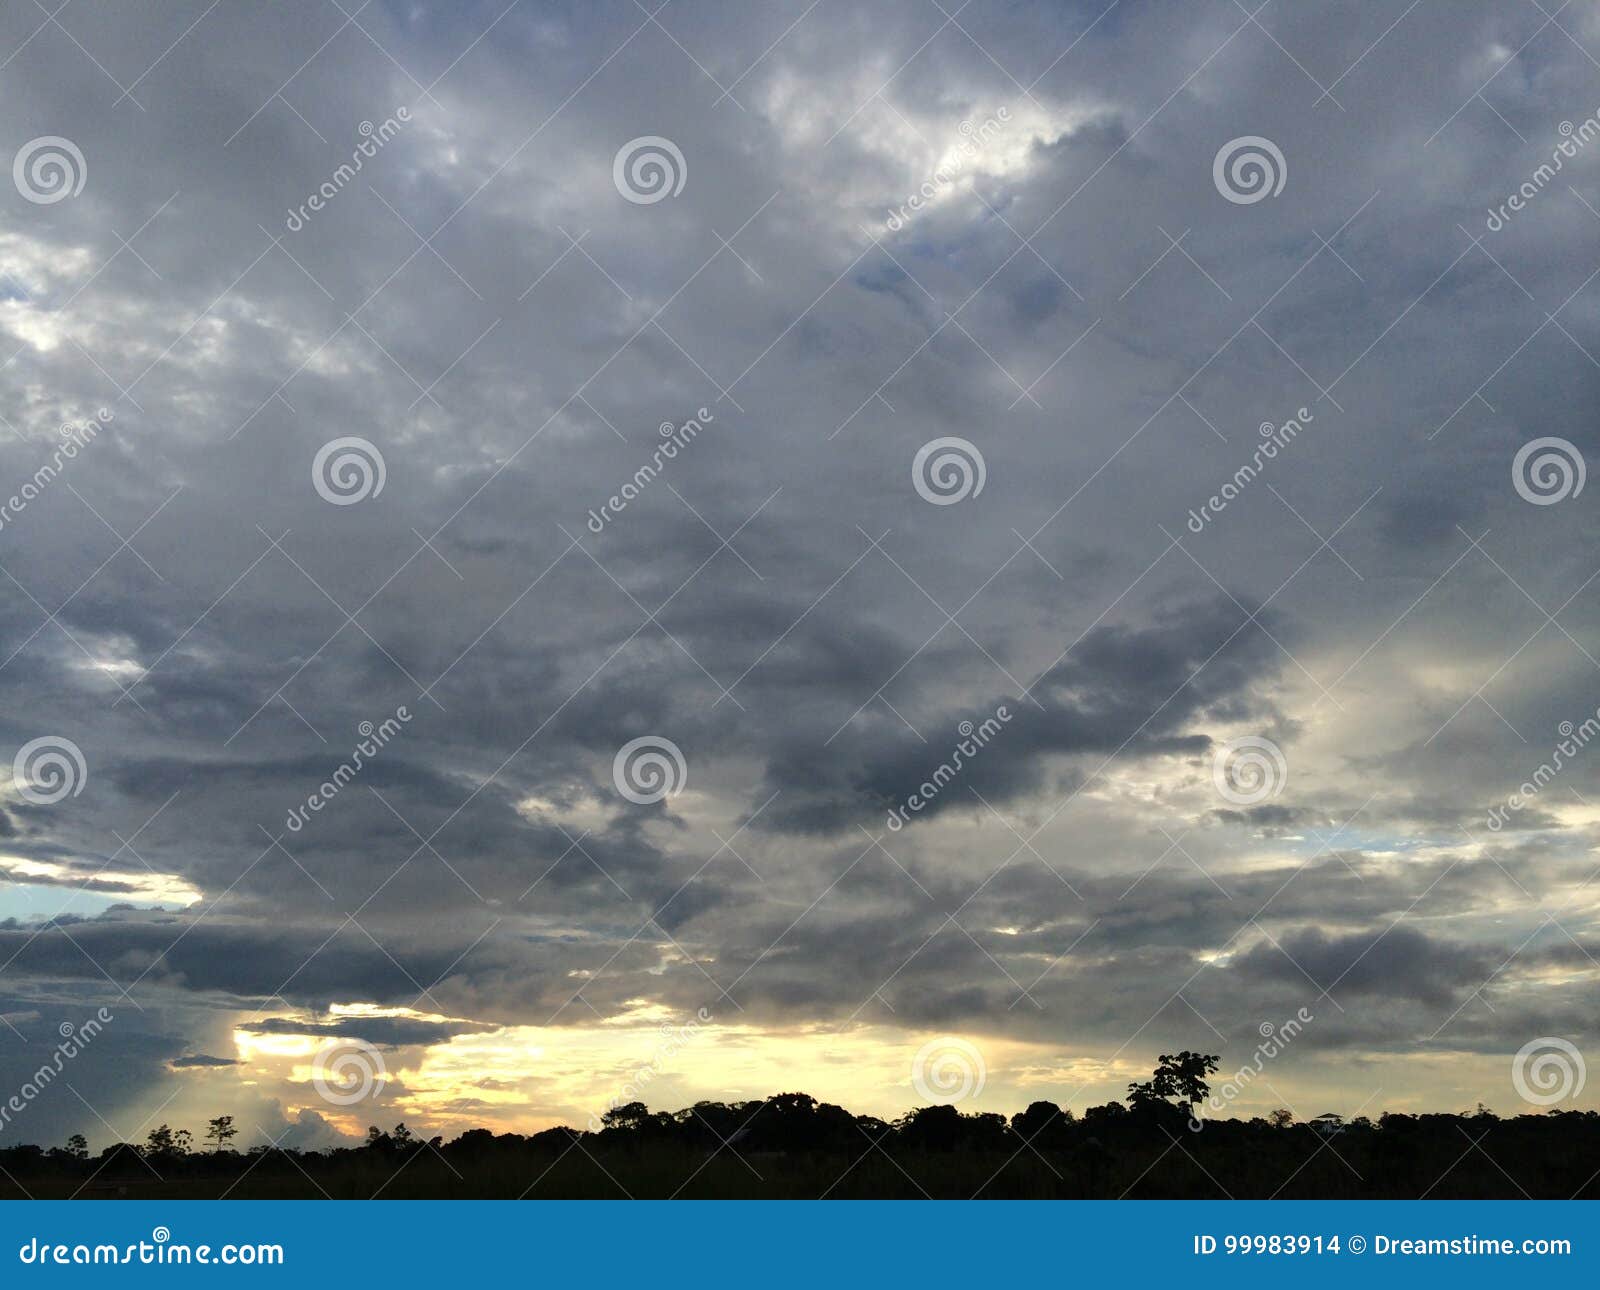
410,409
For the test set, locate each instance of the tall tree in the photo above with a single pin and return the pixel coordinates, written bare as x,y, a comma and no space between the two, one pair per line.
160,1142
220,1130
1178,1075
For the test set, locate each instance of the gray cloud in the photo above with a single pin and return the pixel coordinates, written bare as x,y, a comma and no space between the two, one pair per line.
394,1031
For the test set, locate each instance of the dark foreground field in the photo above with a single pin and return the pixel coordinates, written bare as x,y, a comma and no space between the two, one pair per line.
793,1147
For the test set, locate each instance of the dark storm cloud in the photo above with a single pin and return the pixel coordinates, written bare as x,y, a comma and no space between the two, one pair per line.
1402,962
252,961
1270,817
392,1031
1128,690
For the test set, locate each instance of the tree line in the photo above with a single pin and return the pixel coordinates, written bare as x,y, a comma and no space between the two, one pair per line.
791,1145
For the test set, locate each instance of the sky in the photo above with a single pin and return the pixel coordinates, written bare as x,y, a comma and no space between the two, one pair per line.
554,553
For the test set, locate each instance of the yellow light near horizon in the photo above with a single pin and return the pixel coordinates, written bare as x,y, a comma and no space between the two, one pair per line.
521,1079
253,1047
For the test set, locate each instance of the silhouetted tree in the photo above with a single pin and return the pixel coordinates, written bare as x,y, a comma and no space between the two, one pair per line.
162,1141
1178,1075
985,1131
627,1116
931,1128
475,1144
220,1131
935,1150
1043,1124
